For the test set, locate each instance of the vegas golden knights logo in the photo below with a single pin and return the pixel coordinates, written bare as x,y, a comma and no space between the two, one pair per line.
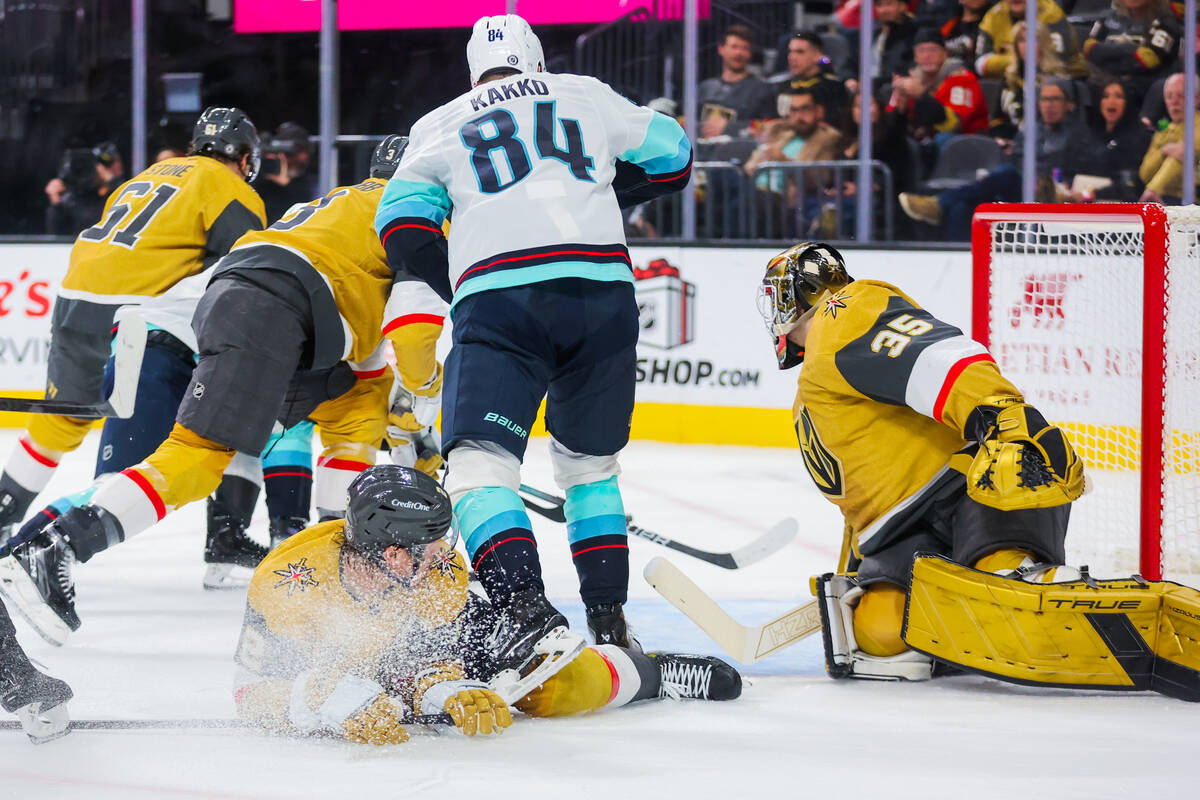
823,466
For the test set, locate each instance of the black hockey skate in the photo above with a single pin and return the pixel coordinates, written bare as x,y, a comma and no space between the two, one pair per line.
38,700
519,627
231,555
606,621
687,677
37,580
283,528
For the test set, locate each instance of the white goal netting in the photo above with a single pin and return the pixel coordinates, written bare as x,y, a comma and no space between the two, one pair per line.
1065,317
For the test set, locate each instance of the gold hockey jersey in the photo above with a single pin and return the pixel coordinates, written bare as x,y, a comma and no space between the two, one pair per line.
330,244
884,392
169,221
308,618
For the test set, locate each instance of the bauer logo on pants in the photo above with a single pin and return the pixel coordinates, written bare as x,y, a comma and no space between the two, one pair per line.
666,305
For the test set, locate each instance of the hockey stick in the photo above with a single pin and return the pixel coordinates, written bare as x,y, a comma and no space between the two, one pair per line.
746,644
551,507
198,723
130,346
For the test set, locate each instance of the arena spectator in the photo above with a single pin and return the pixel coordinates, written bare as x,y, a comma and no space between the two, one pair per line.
285,178
1012,97
995,46
167,152
889,144
78,193
803,135
1137,42
1123,141
939,96
893,43
731,100
961,30
1162,166
1064,149
808,69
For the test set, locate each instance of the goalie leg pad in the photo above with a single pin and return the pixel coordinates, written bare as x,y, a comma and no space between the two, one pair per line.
1113,634
837,598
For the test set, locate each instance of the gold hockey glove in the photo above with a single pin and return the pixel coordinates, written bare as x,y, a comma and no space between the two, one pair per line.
413,409
478,711
421,450
379,723
1023,461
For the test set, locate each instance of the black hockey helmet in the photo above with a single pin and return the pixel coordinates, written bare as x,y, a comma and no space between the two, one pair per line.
796,281
393,505
227,133
387,155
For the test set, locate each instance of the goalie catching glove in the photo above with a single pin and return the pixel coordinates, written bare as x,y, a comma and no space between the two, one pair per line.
1023,461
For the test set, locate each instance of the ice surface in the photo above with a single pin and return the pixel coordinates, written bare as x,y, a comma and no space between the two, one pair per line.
155,645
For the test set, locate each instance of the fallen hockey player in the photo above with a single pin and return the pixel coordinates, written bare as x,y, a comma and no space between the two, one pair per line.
354,627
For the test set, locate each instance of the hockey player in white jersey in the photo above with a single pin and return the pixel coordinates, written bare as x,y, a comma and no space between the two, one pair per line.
534,168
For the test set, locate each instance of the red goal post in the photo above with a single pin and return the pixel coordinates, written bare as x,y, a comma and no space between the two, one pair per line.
1093,311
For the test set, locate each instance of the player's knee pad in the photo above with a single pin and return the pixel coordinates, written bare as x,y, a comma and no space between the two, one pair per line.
838,598
576,469
879,619
475,464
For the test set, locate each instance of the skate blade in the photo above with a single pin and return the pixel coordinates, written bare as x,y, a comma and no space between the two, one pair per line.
44,724
558,648
17,587
218,577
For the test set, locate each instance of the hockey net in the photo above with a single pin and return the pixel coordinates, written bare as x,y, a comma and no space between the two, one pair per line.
1093,311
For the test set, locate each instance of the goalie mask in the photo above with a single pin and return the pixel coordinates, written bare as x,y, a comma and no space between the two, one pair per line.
795,283
390,505
504,41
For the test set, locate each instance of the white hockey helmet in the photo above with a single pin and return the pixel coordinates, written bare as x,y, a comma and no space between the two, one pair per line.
504,41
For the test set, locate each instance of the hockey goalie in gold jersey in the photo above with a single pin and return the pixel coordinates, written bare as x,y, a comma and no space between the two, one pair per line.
292,326
956,495
355,626
171,220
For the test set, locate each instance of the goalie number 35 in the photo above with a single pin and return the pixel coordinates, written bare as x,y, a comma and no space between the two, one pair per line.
898,334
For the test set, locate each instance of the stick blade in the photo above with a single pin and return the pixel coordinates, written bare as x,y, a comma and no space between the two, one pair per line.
128,350
779,536
681,592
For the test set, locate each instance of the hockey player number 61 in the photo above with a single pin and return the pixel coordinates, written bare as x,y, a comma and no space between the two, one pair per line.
127,236
497,130
903,328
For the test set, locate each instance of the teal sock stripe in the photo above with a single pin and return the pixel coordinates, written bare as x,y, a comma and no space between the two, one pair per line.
594,509
482,513
293,446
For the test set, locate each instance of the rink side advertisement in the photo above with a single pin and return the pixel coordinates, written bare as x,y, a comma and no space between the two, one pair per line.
706,370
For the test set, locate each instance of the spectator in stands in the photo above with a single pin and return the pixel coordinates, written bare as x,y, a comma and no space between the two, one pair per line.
285,178
1123,141
996,41
1065,147
1137,42
1162,166
78,193
939,97
1012,97
961,30
893,43
801,136
731,100
809,69
889,144
167,152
